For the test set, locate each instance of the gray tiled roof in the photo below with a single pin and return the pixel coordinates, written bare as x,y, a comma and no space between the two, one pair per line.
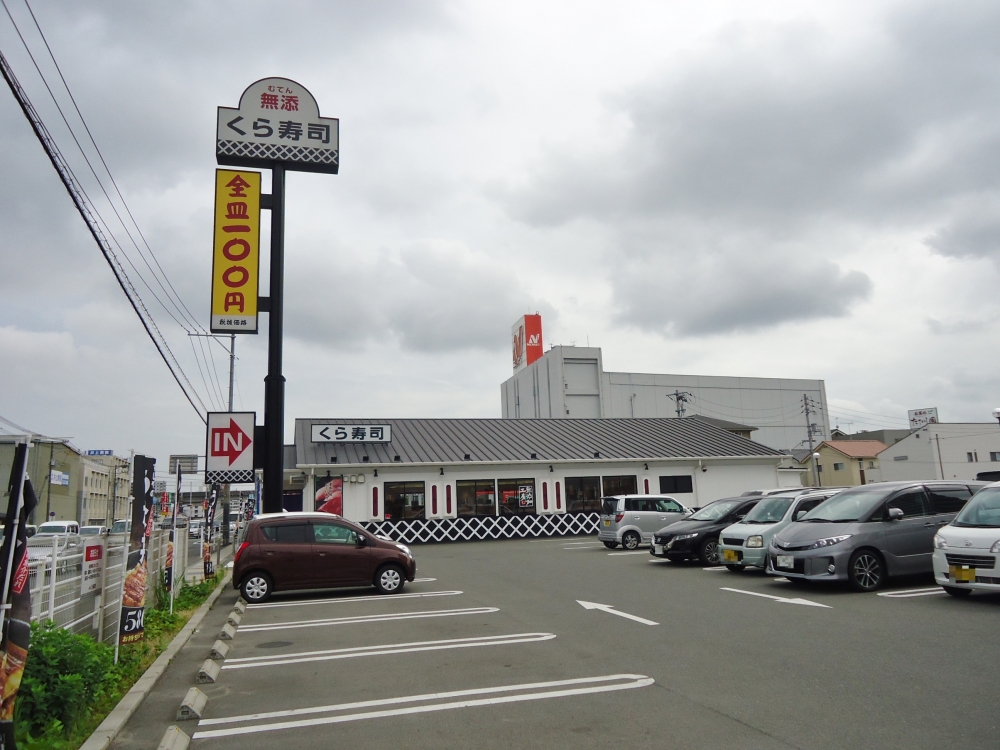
495,440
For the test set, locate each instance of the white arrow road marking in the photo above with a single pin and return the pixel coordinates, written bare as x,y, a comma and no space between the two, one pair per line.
612,611
349,599
281,660
779,599
909,593
367,618
540,691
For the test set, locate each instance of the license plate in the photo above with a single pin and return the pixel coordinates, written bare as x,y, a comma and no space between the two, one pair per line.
607,521
962,575
658,549
730,555
786,561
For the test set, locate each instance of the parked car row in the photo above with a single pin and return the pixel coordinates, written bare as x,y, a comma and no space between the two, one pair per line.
861,535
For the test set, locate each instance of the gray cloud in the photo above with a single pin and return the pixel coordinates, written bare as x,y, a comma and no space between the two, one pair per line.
429,297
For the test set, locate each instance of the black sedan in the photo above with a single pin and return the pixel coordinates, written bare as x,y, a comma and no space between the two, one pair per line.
697,536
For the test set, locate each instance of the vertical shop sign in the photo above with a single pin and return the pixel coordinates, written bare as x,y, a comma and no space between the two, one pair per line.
131,626
14,572
330,496
236,259
93,567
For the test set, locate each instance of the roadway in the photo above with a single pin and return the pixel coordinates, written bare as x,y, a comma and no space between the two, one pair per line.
492,648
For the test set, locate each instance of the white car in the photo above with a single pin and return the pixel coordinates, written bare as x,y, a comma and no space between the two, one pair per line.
967,551
50,528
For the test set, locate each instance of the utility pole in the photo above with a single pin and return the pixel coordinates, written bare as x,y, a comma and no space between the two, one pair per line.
806,404
225,504
937,439
680,398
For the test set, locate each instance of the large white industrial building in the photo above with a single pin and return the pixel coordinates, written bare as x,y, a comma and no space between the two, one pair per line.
570,382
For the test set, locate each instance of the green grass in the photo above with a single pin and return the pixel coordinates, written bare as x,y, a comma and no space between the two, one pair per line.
71,682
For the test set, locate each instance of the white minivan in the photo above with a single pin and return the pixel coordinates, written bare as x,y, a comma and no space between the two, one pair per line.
967,550
631,520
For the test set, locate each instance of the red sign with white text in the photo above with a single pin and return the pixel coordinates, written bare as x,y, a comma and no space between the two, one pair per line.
526,338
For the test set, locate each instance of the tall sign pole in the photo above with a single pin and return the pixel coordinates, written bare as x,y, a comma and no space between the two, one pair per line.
277,126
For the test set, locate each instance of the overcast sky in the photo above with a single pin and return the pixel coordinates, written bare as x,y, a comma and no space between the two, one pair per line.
776,189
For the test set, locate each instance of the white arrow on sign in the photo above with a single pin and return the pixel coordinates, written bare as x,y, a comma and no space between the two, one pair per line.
612,611
779,599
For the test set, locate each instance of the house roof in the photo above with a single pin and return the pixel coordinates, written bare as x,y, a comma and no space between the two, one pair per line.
857,448
724,424
419,441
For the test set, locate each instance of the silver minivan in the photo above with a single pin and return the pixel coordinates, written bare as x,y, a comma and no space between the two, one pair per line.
631,520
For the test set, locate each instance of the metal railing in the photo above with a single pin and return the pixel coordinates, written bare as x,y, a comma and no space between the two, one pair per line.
60,593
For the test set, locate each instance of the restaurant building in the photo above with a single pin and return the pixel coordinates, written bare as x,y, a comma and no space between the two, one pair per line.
463,479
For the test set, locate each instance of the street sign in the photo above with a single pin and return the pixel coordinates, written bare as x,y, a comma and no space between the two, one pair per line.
922,417
278,122
236,254
229,453
188,464
351,433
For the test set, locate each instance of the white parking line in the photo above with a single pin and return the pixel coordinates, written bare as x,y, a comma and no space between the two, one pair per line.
350,599
622,554
544,690
909,593
424,580
366,618
778,599
589,546
715,567
282,660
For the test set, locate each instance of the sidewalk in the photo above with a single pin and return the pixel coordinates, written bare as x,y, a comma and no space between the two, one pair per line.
159,708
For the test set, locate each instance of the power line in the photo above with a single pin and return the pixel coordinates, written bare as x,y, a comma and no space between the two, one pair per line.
77,195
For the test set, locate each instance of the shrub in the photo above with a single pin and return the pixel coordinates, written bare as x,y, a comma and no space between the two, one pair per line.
64,675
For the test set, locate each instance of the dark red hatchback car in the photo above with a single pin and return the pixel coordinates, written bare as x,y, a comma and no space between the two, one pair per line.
287,551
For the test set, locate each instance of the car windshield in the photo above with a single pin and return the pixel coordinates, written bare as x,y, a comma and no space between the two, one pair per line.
769,510
609,506
982,511
52,528
91,530
849,505
119,527
715,511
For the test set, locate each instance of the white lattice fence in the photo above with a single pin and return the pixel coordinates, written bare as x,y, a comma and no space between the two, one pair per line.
484,528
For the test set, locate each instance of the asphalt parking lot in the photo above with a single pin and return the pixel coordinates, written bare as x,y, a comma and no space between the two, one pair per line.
491,648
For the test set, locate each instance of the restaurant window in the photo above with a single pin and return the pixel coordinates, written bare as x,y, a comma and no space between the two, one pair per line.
583,494
404,500
517,497
476,497
624,485
675,484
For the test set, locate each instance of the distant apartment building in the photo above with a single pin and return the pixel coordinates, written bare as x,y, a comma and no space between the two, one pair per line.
843,463
945,450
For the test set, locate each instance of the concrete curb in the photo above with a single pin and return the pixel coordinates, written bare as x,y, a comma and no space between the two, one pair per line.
113,723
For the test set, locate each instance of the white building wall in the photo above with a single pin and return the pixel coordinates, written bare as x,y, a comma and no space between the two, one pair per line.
558,386
916,456
720,479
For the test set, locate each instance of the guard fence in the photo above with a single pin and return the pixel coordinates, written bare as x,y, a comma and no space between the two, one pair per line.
80,592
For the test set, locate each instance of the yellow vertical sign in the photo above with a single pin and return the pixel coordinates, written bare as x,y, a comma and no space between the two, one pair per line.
236,256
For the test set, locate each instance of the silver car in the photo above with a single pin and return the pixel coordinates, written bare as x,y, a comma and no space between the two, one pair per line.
631,520
745,543
866,534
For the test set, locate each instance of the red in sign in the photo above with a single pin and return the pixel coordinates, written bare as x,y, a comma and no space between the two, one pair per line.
229,441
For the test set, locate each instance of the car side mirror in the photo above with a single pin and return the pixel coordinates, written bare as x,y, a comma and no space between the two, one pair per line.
362,542
895,514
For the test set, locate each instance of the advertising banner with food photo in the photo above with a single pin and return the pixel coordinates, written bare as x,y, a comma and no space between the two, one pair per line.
131,627
14,572
330,495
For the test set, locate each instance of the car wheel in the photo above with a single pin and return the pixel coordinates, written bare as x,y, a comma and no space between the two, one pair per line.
736,568
389,580
708,552
257,588
866,571
631,540
957,591
611,545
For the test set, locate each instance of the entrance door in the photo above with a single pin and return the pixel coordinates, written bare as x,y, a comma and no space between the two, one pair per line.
337,558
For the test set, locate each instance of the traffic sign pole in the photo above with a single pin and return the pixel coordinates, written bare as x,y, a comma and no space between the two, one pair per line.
274,383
